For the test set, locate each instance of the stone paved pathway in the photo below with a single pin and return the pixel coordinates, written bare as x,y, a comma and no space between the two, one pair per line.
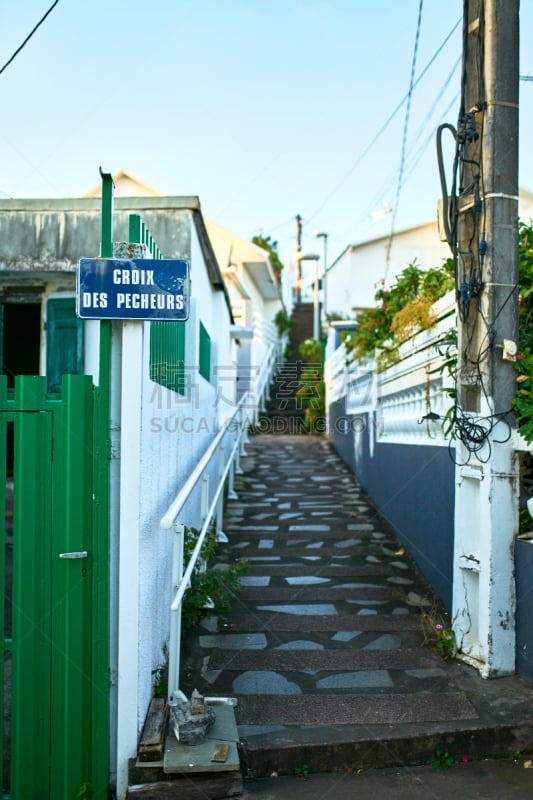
325,650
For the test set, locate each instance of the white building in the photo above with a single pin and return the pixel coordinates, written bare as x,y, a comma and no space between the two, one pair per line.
172,386
361,269
255,295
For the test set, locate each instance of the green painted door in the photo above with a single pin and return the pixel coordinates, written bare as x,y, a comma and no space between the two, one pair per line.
64,341
27,626
53,693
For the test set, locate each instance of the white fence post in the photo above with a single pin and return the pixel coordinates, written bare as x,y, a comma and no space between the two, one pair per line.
175,616
221,536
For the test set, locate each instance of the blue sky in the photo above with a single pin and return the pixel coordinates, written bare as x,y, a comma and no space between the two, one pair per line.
262,108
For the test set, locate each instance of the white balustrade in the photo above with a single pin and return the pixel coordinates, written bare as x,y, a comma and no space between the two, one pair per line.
407,396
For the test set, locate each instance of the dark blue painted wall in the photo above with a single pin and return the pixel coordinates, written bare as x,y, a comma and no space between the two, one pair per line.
524,617
413,486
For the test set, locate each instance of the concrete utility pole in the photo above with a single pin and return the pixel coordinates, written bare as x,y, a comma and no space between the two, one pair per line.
324,237
298,260
487,478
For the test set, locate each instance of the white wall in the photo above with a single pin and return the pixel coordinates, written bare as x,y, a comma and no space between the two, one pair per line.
174,432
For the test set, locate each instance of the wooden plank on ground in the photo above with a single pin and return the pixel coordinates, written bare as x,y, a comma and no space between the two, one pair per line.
153,736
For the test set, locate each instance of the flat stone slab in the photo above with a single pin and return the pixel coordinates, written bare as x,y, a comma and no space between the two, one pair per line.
322,660
261,681
309,527
364,679
303,609
234,641
254,580
183,758
349,709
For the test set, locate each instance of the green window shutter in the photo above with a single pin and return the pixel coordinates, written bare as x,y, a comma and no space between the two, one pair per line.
64,341
205,353
167,355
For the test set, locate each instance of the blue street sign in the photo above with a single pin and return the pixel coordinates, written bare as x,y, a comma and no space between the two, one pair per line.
139,288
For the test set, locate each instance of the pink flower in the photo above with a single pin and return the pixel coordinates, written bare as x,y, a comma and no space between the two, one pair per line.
438,626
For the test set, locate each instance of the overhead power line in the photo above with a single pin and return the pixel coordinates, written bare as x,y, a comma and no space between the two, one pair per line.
385,125
28,37
404,137
413,156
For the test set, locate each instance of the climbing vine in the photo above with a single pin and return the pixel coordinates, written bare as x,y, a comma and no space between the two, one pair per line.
402,309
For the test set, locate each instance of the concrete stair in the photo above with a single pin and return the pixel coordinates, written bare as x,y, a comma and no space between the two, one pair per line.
284,413
325,650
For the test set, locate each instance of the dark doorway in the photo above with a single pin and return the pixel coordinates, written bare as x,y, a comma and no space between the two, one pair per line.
21,340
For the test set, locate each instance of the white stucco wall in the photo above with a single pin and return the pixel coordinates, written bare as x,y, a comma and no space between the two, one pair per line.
175,430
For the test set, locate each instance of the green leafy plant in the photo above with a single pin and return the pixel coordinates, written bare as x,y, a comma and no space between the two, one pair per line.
85,791
302,772
210,586
266,243
525,524
283,322
438,631
523,403
160,679
446,347
442,759
445,641
311,392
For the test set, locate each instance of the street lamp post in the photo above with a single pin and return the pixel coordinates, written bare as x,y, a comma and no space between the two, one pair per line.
316,259
324,236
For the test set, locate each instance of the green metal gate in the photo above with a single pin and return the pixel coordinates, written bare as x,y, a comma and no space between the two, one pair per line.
54,575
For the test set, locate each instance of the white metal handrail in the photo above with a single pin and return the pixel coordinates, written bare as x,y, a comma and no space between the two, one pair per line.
263,380
228,464
178,597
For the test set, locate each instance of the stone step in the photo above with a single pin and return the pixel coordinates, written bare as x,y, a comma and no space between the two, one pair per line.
281,530
325,553
316,594
313,622
328,675
265,637
274,570
281,660
348,709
